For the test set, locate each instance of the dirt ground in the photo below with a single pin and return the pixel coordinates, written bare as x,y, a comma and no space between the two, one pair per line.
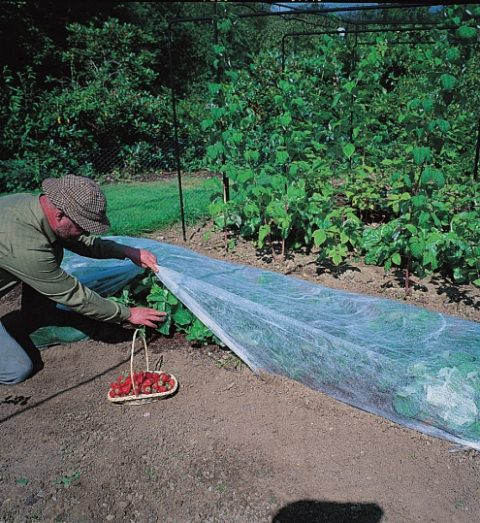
229,446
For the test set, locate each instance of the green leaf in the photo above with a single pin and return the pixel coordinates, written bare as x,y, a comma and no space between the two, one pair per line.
236,137
198,331
453,54
293,169
182,316
466,32
443,125
206,124
432,176
21,481
459,274
214,88
417,248
171,299
427,105
156,298
164,328
285,119
396,259
245,175
319,237
348,150
337,258
419,201
421,154
448,82
251,155
281,157
263,232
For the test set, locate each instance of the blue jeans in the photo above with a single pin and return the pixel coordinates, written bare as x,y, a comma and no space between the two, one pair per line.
15,364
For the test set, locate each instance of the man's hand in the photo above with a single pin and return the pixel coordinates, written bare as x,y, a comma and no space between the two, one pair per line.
142,258
146,316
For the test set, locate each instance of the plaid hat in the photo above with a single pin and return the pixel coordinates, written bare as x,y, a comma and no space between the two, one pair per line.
81,199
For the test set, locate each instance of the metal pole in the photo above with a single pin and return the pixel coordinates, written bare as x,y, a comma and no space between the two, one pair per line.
225,181
175,127
477,154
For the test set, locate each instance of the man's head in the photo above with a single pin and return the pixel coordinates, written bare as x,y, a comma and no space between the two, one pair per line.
80,204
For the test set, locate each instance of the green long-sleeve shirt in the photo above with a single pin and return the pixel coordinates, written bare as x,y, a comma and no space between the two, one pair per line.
30,252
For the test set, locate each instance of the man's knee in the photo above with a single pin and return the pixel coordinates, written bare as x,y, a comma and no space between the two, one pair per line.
15,363
17,373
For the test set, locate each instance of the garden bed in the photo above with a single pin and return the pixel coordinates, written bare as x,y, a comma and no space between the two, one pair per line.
228,446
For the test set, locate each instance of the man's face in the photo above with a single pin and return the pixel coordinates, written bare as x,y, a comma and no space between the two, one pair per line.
67,229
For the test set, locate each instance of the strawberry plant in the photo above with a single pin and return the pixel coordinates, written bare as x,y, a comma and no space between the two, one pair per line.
148,291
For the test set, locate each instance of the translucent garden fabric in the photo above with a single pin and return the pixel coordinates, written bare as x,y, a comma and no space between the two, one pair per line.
413,366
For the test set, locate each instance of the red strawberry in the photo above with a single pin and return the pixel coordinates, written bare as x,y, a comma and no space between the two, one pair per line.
146,389
112,394
126,388
162,388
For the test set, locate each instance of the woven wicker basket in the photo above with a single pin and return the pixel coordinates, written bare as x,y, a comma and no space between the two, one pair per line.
141,399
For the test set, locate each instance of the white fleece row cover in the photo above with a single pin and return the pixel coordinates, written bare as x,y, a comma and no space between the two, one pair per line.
416,367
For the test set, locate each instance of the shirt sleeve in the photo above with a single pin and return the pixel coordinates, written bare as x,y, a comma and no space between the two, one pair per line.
95,247
41,271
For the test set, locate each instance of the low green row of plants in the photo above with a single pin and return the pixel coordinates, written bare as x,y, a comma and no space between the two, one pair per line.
147,291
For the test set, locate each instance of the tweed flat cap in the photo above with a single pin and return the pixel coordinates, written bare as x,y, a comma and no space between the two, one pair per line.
81,199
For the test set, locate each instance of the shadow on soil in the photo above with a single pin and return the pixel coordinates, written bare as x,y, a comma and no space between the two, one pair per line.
454,294
335,270
65,390
310,511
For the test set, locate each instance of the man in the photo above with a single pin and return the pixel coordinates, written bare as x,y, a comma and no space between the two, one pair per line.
33,233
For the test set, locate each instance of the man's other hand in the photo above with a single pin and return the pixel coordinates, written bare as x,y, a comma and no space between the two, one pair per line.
142,258
146,316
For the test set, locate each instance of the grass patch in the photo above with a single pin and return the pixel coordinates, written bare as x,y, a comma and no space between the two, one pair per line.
136,208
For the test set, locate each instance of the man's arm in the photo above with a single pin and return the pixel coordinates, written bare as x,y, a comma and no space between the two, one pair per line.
45,276
49,279
95,247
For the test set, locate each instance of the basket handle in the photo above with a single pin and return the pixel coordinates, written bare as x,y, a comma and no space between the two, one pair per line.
132,353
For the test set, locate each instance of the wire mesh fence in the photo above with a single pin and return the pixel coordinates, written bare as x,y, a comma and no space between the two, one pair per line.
112,162
144,157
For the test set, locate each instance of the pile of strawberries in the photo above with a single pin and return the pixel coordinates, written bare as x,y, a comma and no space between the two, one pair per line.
143,383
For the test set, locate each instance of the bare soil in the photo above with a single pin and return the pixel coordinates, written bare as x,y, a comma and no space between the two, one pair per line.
229,446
